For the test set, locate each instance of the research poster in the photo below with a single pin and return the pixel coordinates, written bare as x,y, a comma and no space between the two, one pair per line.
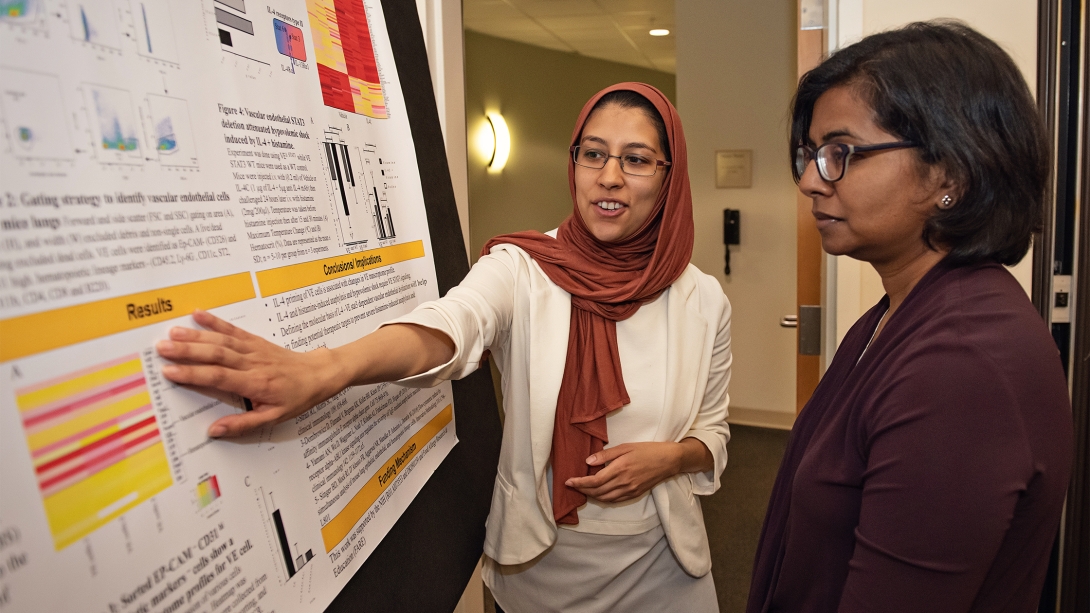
248,157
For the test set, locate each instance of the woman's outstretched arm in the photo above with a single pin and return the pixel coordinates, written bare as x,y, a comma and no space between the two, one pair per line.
281,383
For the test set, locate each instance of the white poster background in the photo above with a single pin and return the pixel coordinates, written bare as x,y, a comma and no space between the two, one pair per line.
139,154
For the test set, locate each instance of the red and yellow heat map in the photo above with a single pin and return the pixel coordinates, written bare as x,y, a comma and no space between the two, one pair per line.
346,57
95,445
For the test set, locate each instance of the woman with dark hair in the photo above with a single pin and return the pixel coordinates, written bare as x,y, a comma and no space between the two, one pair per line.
593,507
928,470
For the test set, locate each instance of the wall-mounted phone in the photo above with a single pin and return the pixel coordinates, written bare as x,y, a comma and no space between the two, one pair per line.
732,233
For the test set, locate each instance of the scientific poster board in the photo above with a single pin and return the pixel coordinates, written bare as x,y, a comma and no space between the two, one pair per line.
260,160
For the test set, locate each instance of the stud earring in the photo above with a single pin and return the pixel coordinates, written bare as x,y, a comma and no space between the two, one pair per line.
946,202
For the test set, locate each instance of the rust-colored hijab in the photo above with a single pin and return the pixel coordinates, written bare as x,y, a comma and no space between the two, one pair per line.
608,283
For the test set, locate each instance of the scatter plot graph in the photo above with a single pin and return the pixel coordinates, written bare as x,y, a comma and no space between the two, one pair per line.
171,132
345,55
94,22
34,115
95,445
113,124
155,30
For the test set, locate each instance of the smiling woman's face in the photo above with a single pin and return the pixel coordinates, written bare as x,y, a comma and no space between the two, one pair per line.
612,204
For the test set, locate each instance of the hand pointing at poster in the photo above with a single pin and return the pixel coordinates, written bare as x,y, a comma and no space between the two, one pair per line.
281,383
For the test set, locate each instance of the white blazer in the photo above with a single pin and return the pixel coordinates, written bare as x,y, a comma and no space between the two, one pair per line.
506,304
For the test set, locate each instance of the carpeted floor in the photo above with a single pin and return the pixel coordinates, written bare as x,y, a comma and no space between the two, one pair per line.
733,516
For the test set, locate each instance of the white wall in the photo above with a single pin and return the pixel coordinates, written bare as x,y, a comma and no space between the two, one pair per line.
736,70
441,21
854,287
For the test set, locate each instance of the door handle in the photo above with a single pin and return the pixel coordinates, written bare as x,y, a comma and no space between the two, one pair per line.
789,321
809,323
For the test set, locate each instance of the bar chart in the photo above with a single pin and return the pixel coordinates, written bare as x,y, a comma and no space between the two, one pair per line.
293,562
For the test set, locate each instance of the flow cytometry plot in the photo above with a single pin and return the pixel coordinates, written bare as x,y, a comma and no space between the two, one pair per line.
21,12
171,131
34,115
94,22
155,30
113,124
95,445
289,551
345,55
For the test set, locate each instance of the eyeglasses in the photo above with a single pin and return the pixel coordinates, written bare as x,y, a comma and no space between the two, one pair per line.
631,163
832,158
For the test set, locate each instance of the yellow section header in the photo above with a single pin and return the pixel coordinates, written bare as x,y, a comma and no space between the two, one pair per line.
297,276
339,527
38,332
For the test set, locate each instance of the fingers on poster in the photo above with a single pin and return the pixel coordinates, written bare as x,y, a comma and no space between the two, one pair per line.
107,437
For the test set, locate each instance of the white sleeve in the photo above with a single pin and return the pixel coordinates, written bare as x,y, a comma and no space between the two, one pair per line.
710,426
474,314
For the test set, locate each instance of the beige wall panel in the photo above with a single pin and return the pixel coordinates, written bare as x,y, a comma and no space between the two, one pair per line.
736,67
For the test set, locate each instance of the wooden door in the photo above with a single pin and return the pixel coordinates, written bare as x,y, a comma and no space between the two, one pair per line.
811,44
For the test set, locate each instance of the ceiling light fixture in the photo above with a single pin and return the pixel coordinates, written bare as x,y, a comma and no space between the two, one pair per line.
659,32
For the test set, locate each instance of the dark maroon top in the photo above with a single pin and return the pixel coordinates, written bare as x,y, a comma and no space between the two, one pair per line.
928,475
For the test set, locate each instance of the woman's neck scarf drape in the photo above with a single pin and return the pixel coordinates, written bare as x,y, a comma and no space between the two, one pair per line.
608,282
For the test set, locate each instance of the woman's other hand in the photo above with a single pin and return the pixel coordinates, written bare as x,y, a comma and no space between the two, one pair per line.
634,468
279,383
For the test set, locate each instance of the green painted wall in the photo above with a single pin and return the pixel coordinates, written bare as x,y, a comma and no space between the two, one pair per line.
540,93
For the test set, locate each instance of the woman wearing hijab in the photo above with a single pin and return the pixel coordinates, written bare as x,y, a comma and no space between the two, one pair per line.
615,354
928,470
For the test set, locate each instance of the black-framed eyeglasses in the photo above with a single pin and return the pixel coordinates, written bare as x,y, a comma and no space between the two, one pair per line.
631,163
832,158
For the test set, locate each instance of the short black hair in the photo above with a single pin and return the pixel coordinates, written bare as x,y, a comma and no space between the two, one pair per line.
961,98
628,99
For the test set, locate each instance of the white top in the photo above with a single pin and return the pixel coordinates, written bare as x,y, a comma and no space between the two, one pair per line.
641,344
507,305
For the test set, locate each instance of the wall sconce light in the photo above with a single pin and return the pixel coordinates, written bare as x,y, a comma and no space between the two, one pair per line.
494,142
